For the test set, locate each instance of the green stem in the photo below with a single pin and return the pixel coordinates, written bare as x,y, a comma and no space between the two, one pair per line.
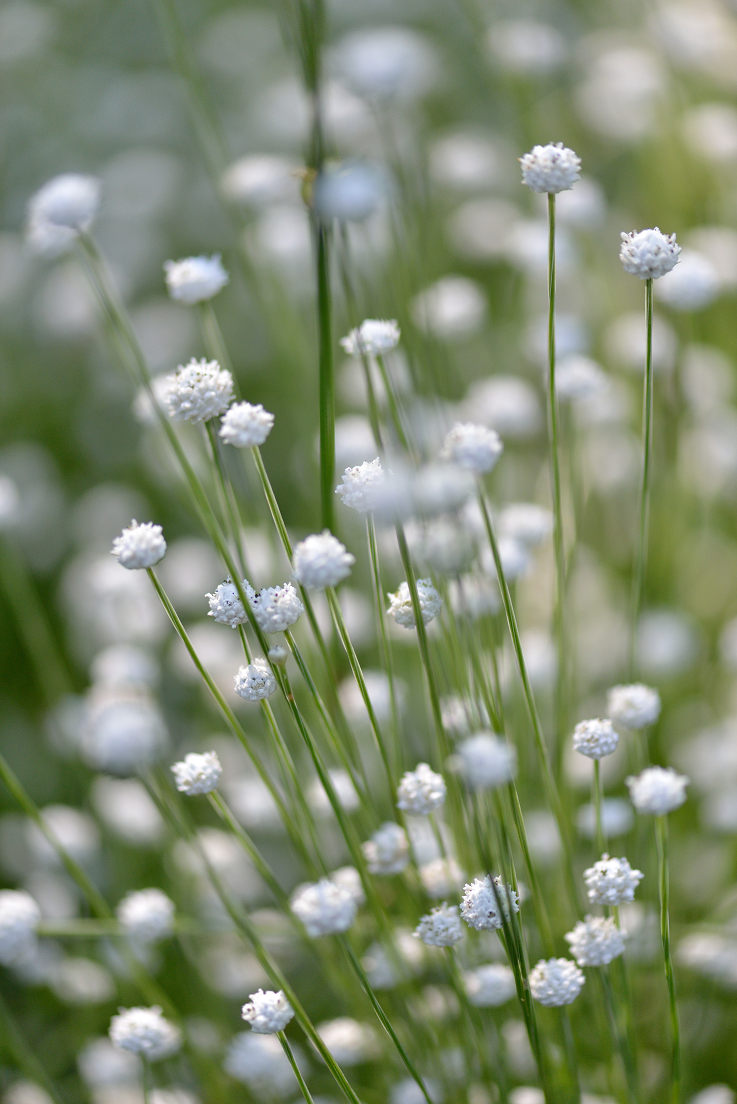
647,441
213,336
295,1068
146,1080
600,837
661,833
327,377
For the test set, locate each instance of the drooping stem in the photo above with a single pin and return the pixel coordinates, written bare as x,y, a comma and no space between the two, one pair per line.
638,583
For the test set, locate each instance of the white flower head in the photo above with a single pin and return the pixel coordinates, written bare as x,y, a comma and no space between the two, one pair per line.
485,760
657,790
440,927
374,337
473,447
402,610
489,986
488,903
255,682
146,916
611,881
552,168
198,391
320,561
144,1031
139,546
197,773
387,852
245,425
19,918
195,279
69,201
324,907
633,706
226,606
595,739
360,487
595,941
648,253
421,791
276,608
267,1011
556,981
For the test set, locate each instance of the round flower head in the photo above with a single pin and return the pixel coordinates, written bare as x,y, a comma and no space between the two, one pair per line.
440,927
194,279
146,916
321,561
473,447
633,706
324,907
595,738
387,852
402,610
277,608
611,881
360,487
139,546
19,918
144,1031
421,791
551,168
648,253
374,337
556,981
198,391
488,903
595,941
197,774
255,682
225,604
70,200
489,986
485,760
267,1011
246,426
657,790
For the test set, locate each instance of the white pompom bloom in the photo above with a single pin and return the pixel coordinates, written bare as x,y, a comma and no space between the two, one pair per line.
146,915
473,447
648,253
195,279
402,610
321,561
485,760
595,738
633,706
197,773
595,941
387,852
225,604
19,918
198,391
421,791
255,682
611,881
657,790
487,903
70,201
144,1031
324,907
490,985
139,546
245,425
440,927
267,1011
552,168
374,337
361,487
555,982
276,608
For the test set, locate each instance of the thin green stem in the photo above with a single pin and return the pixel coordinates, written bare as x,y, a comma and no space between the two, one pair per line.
327,377
597,794
213,336
295,1068
638,584
24,1054
146,1080
661,833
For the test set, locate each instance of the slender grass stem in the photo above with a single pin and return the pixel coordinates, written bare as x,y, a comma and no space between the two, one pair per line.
327,377
295,1068
213,336
146,1080
661,834
640,566
569,1049
598,801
